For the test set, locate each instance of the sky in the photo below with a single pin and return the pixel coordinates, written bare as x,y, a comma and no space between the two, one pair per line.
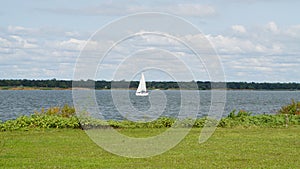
254,40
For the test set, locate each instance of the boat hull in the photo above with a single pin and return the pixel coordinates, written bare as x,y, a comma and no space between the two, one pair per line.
142,94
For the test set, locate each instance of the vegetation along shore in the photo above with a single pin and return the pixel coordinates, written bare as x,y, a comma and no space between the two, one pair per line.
26,84
65,117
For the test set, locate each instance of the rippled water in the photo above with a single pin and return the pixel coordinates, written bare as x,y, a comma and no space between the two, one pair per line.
16,103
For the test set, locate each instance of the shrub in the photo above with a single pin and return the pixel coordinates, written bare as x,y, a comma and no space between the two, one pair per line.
64,117
293,108
54,117
241,113
65,111
39,121
199,123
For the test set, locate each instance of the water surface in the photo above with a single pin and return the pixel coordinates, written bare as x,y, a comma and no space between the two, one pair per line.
17,103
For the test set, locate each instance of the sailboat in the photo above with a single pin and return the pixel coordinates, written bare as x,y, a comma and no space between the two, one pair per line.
141,90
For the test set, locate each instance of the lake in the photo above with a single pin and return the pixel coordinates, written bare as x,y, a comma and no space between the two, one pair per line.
17,103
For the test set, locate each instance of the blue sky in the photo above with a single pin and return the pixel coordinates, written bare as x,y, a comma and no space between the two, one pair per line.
257,40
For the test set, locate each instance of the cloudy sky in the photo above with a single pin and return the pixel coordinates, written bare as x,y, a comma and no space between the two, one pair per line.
256,40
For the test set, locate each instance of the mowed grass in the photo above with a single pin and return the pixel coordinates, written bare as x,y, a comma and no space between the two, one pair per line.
227,148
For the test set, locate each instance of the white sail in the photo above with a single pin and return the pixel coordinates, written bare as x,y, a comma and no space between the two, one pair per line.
142,90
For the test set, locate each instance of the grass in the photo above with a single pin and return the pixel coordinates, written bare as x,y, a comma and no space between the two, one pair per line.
227,148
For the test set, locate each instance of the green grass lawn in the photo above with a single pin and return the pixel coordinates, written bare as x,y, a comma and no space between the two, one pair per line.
227,148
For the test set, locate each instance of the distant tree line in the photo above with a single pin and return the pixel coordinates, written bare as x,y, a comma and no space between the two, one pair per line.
201,85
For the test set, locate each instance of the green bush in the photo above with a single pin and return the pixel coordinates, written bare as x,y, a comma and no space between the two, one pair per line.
64,117
241,113
65,111
260,121
293,108
54,117
39,121
199,123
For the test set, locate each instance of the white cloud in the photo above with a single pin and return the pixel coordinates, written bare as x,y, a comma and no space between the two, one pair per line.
30,53
261,53
191,10
264,40
239,28
261,68
15,29
271,26
4,43
72,34
294,31
17,42
238,46
265,53
124,8
72,44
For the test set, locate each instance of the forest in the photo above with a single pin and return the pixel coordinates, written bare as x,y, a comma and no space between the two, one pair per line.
101,84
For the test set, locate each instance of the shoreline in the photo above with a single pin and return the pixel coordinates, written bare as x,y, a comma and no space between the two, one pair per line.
33,88
57,88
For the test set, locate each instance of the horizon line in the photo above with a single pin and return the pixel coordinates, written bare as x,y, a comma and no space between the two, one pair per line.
152,80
